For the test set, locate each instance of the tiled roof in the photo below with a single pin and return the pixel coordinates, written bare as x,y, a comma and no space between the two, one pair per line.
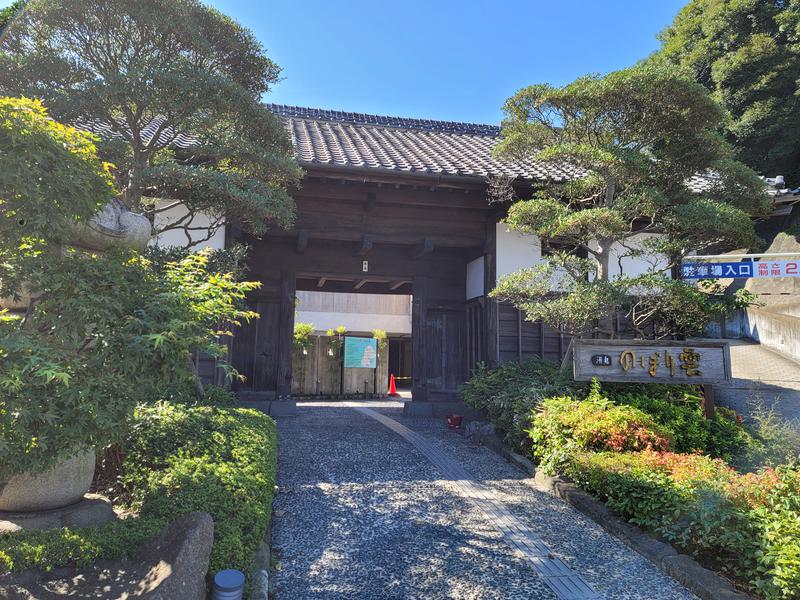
406,146
319,114
165,136
411,146
776,187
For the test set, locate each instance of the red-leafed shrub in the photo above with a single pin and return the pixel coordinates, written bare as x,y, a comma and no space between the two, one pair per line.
564,425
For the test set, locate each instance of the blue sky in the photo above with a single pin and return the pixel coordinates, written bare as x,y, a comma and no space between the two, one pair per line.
442,59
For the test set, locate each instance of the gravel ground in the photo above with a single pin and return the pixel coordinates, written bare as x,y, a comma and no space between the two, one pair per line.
361,514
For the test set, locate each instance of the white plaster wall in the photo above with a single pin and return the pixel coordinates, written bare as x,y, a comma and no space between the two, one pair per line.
635,265
475,270
359,313
178,237
516,251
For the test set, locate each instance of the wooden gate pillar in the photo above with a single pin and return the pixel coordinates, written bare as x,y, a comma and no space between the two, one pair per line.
285,335
419,310
491,309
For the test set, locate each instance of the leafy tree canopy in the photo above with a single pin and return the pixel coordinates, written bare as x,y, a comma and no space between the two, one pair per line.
50,178
747,53
155,71
103,333
638,136
9,12
96,333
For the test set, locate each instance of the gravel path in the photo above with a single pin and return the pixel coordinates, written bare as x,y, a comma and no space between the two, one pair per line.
361,513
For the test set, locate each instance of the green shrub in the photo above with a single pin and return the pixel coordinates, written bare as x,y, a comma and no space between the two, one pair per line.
186,393
219,396
680,413
747,525
564,425
511,391
178,459
45,550
774,440
221,461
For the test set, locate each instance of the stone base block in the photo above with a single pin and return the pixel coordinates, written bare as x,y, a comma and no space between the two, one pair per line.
171,566
274,408
418,408
282,408
91,511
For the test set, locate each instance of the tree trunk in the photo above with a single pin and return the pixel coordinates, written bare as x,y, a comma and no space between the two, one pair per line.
603,258
132,194
605,323
198,384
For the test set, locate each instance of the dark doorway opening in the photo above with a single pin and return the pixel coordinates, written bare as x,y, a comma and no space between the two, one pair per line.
400,362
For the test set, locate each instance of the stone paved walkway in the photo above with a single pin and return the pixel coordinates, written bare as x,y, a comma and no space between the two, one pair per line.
361,512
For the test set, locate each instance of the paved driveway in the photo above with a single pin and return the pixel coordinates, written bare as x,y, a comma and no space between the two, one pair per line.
413,511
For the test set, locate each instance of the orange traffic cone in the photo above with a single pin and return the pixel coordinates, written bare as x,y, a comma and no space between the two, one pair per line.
392,386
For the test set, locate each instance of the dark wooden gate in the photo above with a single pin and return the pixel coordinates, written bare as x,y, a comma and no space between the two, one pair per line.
262,348
445,364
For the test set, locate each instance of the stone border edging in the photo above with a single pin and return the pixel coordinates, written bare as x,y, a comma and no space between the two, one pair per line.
702,582
259,587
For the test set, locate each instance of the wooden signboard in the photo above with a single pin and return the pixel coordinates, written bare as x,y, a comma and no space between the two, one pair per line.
643,361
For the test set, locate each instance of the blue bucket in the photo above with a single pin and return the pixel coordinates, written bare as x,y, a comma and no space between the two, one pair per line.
228,585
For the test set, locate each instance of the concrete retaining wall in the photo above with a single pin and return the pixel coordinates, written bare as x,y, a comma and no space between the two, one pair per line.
778,331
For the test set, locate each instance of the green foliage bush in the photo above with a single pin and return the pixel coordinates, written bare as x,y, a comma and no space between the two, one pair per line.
178,459
563,425
65,384
682,416
775,440
511,391
50,178
747,525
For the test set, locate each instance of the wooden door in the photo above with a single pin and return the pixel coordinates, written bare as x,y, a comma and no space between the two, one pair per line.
445,364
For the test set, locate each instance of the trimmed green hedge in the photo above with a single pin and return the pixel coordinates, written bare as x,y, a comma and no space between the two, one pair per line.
178,459
512,392
746,525
682,416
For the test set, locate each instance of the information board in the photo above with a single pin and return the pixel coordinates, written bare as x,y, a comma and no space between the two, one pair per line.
741,270
360,353
696,361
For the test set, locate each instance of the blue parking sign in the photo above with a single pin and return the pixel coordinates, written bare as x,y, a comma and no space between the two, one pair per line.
728,270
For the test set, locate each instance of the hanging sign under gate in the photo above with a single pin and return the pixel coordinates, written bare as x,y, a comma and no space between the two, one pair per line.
678,362
360,353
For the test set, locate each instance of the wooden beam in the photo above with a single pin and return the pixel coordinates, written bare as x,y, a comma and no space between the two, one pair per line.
420,250
397,284
365,246
708,404
321,282
302,240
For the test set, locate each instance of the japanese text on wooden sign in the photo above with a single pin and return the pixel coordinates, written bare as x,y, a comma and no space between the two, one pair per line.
360,353
699,361
741,270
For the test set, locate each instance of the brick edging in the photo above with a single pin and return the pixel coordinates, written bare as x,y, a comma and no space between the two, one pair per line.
702,582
